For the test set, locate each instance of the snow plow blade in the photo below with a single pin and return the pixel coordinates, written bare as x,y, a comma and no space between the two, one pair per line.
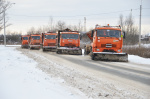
72,51
108,56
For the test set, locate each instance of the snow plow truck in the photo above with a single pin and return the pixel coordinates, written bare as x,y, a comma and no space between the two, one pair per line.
68,42
35,41
49,41
25,41
107,42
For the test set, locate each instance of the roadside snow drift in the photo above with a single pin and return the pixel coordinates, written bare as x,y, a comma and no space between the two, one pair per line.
20,79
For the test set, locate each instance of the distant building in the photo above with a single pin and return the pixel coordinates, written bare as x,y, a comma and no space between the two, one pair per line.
146,39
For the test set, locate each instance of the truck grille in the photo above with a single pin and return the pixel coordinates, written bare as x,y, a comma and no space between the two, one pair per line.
37,43
106,50
70,45
108,45
51,44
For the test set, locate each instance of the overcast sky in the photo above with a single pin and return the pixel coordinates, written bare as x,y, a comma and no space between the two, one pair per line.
27,13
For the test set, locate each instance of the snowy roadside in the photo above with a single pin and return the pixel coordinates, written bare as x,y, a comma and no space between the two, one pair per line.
95,84
138,60
20,79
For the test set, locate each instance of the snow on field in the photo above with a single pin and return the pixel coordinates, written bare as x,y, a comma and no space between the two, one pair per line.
138,59
20,79
13,45
143,45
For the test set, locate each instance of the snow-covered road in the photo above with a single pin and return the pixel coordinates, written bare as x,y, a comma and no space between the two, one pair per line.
34,74
97,79
20,79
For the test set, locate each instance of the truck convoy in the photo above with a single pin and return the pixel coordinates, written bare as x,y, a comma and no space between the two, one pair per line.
25,41
35,41
68,42
107,42
49,41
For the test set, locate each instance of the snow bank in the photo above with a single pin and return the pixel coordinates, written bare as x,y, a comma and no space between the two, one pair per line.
134,46
139,60
20,79
13,45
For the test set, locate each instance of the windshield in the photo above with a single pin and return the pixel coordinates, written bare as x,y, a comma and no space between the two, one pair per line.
36,37
25,38
70,36
50,36
109,33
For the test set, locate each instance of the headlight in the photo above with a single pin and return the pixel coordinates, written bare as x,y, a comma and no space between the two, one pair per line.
97,50
119,50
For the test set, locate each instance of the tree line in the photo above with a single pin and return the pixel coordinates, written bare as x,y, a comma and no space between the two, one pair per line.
127,25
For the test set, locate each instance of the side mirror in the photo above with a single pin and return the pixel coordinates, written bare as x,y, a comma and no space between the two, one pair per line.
92,33
124,34
80,37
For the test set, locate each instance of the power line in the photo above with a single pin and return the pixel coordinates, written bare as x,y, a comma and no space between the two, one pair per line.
145,8
77,15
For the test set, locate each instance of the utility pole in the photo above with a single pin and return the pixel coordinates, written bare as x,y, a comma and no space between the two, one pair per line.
4,29
140,26
4,8
84,24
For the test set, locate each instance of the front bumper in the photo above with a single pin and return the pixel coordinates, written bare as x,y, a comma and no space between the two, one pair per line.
35,46
25,46
67,48
49,47
110,53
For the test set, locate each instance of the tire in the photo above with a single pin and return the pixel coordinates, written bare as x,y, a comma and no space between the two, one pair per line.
93,56
58,52
85,53
43,49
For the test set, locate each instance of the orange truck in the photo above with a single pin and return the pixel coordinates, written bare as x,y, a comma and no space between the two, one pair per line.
49,41
68,42
25,41
107,42
35,41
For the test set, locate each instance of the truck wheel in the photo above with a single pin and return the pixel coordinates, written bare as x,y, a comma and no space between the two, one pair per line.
85,52
58,52
93,56
43,49
80,52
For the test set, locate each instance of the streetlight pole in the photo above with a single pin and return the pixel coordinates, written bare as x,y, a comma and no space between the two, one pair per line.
5,26
140,24
4,30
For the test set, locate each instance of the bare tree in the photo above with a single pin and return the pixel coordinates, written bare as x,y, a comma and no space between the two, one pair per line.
61,25
50,23
4,5
131,31
80,27
31,31
121,22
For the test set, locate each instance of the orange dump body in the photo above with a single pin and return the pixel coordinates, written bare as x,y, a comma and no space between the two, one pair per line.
107,39
25,41
35,41
49,40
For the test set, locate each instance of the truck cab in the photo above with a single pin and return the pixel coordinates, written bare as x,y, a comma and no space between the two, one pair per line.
68,42
49,41
107,39
35,41
25,41
107,42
